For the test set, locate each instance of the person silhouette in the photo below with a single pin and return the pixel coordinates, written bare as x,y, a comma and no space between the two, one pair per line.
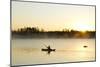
49,47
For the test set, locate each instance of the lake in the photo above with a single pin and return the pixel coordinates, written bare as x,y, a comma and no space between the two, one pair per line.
28,51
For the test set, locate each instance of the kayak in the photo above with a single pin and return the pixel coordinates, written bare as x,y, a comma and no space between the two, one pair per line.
48,49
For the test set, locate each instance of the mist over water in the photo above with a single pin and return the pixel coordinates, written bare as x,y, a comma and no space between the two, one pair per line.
28,51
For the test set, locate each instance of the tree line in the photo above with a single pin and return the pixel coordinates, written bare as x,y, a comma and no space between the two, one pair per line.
35,32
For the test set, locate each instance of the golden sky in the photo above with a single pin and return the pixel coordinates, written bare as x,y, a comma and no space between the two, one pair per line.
52,17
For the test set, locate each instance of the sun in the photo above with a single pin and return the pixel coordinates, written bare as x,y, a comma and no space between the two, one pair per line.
82,26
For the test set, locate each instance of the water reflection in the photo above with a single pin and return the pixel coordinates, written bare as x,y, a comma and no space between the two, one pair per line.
29,51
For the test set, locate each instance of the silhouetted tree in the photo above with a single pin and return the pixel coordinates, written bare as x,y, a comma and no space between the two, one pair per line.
35,31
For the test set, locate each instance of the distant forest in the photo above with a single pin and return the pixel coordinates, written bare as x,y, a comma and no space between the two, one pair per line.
33,32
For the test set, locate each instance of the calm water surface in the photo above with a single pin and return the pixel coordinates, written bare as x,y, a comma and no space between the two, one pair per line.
28,51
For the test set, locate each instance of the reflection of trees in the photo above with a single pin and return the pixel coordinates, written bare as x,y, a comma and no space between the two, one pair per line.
36,32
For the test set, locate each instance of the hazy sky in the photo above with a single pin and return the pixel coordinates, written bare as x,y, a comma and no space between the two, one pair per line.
52,16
